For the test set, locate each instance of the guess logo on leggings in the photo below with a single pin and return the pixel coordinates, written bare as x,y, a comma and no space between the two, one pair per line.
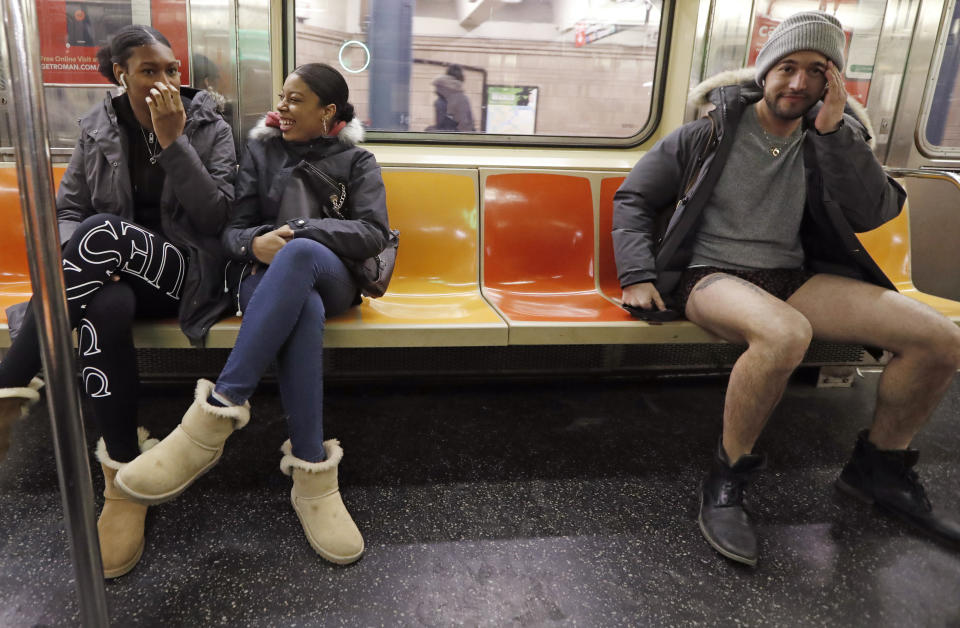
133,251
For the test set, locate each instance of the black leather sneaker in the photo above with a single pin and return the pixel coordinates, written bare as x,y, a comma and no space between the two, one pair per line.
723,520
886,479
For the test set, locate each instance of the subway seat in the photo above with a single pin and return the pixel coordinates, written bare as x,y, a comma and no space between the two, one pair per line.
539,238
889,245
14,272
546,275
434,296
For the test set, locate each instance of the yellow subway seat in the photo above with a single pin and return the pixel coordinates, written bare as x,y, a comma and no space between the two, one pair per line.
437,213
889,246
430,309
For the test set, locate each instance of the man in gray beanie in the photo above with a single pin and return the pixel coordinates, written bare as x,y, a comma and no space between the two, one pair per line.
745,221
811,30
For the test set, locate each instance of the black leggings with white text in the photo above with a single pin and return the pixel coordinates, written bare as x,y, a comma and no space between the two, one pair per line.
115,272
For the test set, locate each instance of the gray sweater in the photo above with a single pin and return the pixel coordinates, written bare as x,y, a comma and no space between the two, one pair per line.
752,220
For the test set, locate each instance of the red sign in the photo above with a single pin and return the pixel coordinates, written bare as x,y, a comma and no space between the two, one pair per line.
170,18
72,32
588,33
762,27
579,37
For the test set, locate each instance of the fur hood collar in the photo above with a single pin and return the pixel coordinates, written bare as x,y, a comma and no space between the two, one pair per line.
705,94
350,135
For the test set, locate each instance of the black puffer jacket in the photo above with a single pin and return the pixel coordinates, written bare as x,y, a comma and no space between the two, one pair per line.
264,172
656,211
200,167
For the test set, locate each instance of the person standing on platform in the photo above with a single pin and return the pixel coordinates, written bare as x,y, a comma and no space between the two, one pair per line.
452,107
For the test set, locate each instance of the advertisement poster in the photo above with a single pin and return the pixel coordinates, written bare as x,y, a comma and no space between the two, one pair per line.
511,110
857,72
71,33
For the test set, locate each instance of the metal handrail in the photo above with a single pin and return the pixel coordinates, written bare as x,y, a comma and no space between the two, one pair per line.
50,305
924,173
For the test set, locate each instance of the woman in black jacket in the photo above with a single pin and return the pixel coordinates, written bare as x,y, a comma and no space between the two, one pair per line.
293,270
140,207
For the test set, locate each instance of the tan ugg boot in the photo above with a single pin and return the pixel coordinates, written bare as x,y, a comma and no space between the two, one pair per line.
316,498
120,526
15,403
189,451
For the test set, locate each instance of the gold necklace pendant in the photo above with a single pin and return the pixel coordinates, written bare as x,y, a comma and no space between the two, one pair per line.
775,151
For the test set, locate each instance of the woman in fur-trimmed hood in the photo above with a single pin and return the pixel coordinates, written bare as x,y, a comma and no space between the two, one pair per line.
291,270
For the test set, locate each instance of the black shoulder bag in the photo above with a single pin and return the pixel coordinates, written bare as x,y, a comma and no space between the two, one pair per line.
311,188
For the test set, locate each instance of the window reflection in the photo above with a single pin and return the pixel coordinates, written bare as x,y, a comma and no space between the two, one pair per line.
520,67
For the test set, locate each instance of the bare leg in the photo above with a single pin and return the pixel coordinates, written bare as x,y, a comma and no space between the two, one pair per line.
777,337
925,347
926,354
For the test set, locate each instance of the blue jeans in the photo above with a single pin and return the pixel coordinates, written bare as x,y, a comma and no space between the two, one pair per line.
284,313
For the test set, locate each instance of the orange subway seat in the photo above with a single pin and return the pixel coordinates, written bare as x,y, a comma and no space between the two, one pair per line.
14,272
538,249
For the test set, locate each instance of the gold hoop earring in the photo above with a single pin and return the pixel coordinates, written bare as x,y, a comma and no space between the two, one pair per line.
324,120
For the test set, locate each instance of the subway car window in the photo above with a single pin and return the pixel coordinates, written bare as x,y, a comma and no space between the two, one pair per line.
862,23
943,119
518,68
66,105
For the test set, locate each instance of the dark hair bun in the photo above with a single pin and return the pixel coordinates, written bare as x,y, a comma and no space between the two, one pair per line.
106,65
329,86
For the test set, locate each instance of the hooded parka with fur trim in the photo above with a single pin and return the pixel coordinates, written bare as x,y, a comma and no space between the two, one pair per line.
197,189
264,172
656,211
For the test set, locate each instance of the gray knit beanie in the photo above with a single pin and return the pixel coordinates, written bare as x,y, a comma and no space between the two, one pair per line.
810,30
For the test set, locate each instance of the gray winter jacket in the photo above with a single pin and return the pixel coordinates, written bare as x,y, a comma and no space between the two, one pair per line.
264,172
200,167
657,209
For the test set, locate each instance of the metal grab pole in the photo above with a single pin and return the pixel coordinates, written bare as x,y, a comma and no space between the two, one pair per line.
50,305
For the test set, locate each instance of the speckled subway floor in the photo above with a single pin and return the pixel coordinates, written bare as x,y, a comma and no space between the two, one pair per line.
518,504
